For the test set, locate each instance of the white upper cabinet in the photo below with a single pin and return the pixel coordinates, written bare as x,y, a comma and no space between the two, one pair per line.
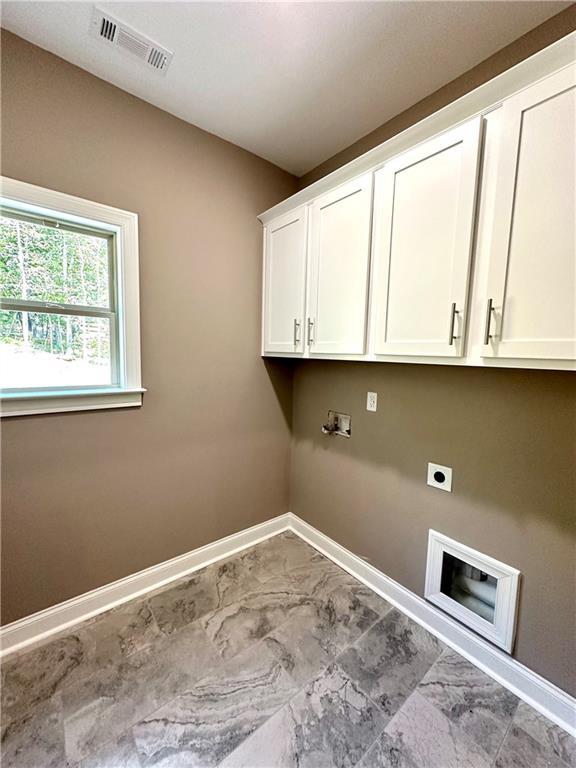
454,242
531,293
339,264
423,232
285,282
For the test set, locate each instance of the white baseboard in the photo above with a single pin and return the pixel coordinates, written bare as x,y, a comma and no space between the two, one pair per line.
41,625
551,701
554,703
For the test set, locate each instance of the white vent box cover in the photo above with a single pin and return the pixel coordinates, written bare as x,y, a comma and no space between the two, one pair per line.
474,588
115,33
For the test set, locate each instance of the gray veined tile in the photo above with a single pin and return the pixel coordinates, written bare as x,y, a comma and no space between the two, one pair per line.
316,573
120,753
470,698
31,677
520,750
280,554
101,707
204,725
36,739
317,631
342,604
235,627
329,724
208,589
185,601
420,735
387,752
122,631
234,578
320,578
355,608
547,733
303,645
250,562
390,660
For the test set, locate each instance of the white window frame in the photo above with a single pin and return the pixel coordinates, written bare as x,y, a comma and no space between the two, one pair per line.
501,632
124,224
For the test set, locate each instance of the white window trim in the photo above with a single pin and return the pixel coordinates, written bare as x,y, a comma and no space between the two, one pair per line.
128,393
502,631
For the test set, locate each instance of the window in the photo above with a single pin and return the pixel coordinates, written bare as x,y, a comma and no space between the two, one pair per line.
69,309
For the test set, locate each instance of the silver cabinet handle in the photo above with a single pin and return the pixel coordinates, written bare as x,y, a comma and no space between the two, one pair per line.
487,335
310,331
296,331
453,313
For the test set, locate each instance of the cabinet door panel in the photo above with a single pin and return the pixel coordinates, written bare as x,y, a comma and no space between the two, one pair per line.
532,272
424,221
339,262
285,283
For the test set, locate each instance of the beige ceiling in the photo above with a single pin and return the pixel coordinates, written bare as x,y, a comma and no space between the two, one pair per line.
292,82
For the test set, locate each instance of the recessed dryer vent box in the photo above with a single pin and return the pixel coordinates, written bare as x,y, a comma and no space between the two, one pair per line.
474,588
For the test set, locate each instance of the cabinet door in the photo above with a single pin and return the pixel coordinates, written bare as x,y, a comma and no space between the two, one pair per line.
423,233
285,283
339,262
531,293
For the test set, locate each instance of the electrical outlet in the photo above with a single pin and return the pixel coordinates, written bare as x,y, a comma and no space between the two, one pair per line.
372,401
440,477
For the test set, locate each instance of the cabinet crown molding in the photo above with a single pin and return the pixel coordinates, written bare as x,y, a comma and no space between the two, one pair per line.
480,101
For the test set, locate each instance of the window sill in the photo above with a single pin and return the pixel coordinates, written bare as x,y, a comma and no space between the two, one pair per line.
29,404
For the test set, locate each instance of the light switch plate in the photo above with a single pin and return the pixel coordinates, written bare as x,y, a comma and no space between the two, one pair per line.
440,477
372,401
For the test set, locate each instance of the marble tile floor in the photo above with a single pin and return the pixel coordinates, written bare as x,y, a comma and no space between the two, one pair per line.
274,658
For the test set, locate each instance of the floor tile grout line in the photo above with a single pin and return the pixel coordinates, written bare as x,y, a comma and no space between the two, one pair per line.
156,709
380,734
100,748
303,593
61,690
308,682
299,688
144,717
543,746
369,697
501,745
433,704
204,679
546,746
90,621
164,637
318,674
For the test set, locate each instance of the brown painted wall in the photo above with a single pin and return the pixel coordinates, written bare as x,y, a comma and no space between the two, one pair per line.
91,497
510,437
546,34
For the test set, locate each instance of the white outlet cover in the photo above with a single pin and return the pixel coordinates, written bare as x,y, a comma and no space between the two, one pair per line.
372,401
434,479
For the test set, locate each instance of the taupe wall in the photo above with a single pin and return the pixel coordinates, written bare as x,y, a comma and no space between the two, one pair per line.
546,34
91,497
88,498
510,437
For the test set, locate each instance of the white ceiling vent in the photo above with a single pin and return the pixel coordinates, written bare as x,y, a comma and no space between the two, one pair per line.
120,35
